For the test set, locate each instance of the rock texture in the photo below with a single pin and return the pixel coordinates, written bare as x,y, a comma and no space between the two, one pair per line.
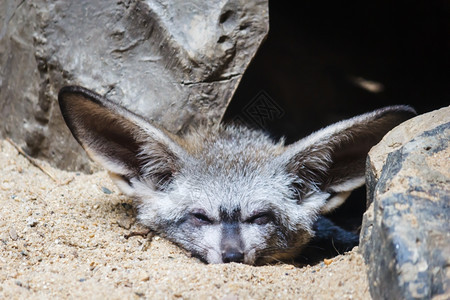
405,236
176,62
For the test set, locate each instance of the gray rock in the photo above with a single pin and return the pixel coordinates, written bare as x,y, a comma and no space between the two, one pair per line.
175,62
405,236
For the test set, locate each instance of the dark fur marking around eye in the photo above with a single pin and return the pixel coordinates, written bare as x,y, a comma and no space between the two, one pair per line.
199,218
227,216
261,218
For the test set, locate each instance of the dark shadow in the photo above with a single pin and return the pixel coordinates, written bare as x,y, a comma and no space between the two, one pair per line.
324,61
318,55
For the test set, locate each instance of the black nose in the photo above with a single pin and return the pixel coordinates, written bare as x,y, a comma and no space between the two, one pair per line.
233,255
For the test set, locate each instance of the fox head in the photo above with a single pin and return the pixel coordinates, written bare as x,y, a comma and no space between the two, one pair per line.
227,194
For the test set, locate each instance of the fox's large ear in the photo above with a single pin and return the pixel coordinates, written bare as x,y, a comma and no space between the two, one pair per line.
122,142
332,160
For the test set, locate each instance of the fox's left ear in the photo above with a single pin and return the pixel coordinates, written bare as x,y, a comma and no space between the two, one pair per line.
332,159
129,147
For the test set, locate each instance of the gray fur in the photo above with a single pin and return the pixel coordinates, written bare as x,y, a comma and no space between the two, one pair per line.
227,193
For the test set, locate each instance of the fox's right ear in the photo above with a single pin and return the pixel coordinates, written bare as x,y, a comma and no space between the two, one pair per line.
333,159
122,142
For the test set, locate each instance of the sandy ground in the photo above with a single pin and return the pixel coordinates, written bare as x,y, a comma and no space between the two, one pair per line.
65,238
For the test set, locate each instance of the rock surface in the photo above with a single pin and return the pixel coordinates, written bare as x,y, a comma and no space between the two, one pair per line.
405,236
175,62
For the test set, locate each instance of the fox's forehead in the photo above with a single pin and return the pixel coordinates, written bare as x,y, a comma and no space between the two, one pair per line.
219,189
232,169
230,143
224,154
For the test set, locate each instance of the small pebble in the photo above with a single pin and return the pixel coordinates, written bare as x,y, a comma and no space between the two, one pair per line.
13,234
143,276
125,222
31,221
106,190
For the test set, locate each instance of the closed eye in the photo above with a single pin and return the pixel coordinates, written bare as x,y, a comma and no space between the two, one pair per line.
199,218
261,218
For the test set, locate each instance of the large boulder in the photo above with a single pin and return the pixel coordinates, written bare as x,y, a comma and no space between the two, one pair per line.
405,237
177,63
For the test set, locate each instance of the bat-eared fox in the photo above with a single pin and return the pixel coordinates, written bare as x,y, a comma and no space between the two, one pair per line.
229,193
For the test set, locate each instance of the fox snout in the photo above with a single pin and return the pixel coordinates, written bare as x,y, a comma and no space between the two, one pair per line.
232,248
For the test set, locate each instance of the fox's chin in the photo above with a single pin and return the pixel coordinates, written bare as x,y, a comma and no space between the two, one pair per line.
214,258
